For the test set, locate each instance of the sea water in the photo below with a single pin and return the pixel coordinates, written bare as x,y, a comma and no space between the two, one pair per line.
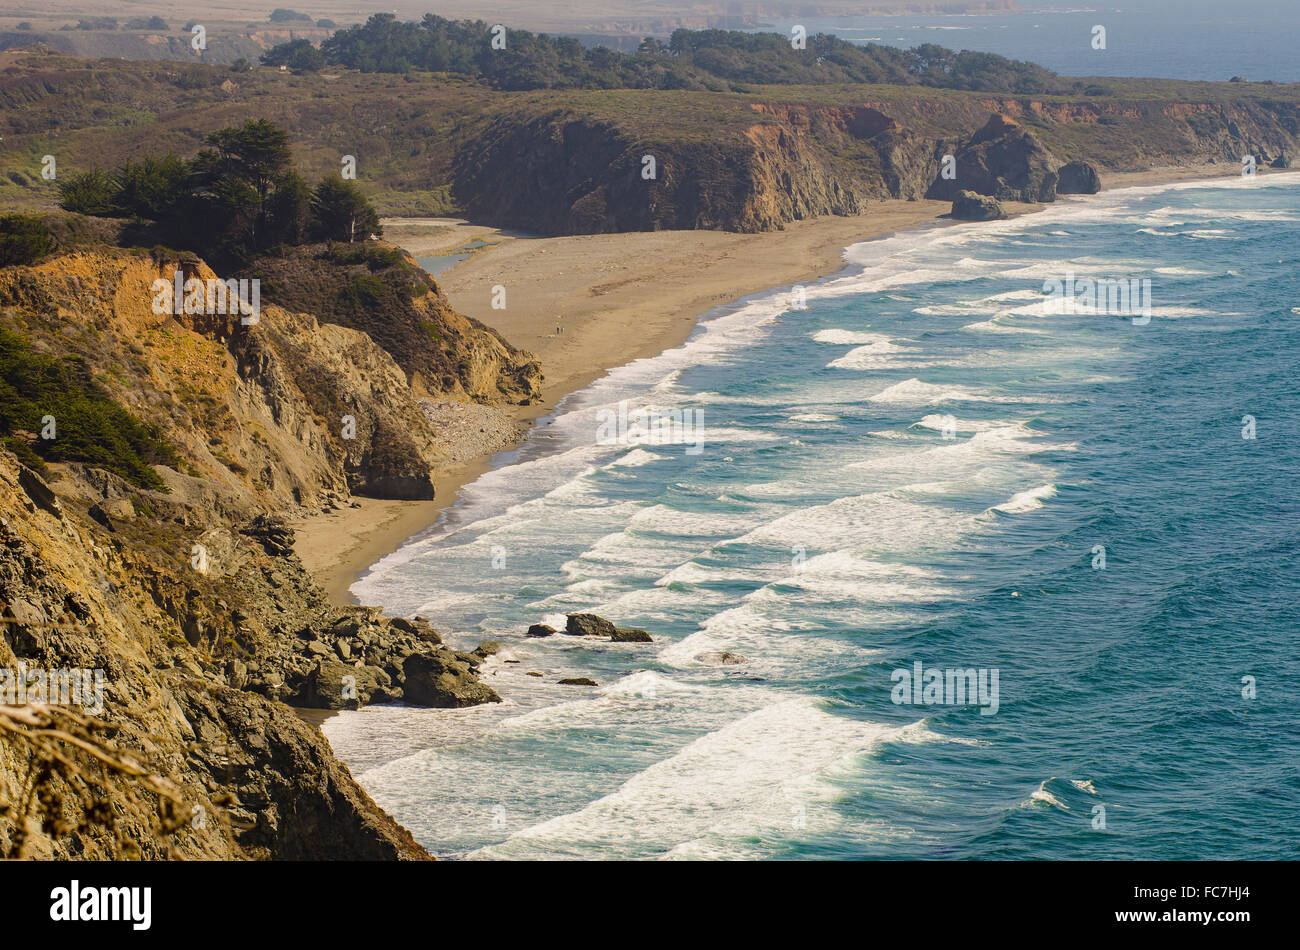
926,459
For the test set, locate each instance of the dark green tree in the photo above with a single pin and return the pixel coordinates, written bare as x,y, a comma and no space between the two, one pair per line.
340,212
256,155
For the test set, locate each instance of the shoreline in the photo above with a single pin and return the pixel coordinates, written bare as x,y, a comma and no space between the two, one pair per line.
618,298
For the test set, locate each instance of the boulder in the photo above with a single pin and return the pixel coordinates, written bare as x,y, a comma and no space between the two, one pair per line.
1002,160
1077,178
418,628
578,681
630,635
441,679
486,649
332,684
970,206
541,630
112,509
40,493
589,625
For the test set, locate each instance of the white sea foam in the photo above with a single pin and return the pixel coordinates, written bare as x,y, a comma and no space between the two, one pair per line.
913,392
852,337
750,768
1024,501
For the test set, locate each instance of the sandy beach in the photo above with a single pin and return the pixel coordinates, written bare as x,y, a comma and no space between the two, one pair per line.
587,304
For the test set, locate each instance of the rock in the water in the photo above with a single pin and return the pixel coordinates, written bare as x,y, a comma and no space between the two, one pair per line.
1077,178
444,681
970,206
541,630
578,681
486,649
630,635
1003,160
589,625
721,659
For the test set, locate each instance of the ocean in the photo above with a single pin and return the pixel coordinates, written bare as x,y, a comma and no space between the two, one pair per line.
1168,39
932,459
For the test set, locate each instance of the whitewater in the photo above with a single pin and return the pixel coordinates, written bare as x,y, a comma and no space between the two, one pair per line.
926,461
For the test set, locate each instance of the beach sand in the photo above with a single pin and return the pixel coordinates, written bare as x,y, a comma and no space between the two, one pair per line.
616,298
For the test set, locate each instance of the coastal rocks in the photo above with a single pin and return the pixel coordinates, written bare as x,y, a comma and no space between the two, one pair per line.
970,206
541,630
1002,160
590,625
443,680
722,658
578,681
486,649
417,627
1077,178
272,533
336,685
1283,160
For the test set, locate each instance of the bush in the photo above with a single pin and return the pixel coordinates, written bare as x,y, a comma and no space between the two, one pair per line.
92,193
285,15
23,239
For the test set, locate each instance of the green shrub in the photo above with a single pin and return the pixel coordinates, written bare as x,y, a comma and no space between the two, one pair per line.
23,239
89,426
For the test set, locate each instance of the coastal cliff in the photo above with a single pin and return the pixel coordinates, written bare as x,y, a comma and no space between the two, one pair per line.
568,173
178,580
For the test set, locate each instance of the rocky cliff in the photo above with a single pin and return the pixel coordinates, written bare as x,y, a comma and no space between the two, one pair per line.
182,589
564,173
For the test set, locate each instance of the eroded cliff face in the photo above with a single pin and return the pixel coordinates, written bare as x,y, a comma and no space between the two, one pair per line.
189,600
560,173
250,778
286,411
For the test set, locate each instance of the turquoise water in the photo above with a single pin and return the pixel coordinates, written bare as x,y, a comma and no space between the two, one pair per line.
921,466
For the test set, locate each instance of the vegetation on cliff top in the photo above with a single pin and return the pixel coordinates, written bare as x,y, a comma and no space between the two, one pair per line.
705,59
238,197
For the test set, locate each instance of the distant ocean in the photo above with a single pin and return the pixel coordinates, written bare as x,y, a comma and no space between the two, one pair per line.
1171,39
932,463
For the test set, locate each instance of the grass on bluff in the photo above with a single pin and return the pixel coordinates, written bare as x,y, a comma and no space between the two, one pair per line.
89,426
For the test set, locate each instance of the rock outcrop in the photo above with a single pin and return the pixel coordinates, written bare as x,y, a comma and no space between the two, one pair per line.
174,651
1002,160
971,206
187,596
1077,178
591,625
